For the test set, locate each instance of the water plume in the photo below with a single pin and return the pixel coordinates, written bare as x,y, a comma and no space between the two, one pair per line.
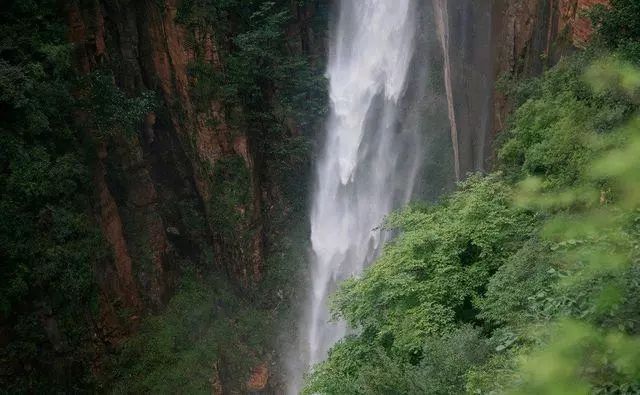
369,163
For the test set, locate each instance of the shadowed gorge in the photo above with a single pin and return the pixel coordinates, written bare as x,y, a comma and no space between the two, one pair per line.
319,197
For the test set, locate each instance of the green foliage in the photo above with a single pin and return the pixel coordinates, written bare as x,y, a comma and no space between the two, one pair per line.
263,82
205,331
519,290
619,27
425,286
425,282
554,130
446,361
593,347
48,243
231,201
109,112
271,92
581,359
535,151
358,367
353,367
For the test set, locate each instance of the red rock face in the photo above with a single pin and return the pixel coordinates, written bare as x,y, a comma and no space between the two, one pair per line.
582,28
572,19
205,144
259,378
522,50
153,53
123,285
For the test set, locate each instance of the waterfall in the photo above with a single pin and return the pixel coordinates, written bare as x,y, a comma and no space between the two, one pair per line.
369,160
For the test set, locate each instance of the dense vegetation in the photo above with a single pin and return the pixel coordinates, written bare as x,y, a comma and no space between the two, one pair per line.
206,336
526,280
272,91
49,244
51,247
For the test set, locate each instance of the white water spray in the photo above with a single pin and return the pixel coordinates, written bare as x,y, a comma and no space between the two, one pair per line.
369,161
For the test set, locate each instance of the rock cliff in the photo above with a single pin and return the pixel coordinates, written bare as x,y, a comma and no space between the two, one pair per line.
530,36
163,195
488,40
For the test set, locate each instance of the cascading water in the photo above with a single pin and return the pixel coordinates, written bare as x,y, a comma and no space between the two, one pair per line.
369,161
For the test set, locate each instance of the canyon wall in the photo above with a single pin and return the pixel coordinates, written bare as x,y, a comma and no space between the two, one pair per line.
485,41
164,194
529,37
142,180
